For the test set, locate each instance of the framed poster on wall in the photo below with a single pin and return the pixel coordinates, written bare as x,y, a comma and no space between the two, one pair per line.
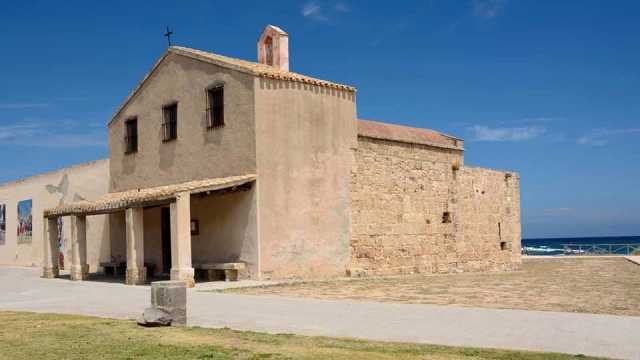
3,224
25,222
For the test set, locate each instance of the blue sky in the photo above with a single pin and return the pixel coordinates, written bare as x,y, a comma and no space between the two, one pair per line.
550,89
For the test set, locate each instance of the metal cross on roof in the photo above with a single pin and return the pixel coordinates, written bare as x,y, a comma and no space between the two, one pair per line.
168,35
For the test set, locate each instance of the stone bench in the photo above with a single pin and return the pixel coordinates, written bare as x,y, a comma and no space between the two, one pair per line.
221,271
115,268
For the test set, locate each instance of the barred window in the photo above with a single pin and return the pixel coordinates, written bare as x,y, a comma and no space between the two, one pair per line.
170,122
131,136
215,107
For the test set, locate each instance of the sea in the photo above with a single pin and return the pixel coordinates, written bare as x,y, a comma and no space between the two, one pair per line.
556,246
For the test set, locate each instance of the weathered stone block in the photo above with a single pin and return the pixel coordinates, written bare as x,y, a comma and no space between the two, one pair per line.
153,317
171,296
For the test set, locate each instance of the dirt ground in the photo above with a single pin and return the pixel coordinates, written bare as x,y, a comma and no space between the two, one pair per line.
584,285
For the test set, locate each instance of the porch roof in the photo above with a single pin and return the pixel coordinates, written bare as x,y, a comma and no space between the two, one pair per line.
118,201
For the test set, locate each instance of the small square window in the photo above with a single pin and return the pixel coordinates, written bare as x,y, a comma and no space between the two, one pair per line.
446,217
170,122
131,136
503,245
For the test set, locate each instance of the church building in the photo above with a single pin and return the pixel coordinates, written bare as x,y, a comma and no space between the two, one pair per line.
217,163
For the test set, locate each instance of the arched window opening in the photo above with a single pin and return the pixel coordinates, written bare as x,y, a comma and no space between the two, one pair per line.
268,50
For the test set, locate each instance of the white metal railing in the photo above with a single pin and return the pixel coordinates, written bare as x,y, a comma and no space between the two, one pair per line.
601,249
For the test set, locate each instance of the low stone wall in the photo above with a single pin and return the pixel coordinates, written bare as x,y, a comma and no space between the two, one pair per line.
415,209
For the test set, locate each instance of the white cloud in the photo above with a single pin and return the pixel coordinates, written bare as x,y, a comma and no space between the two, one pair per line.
8,132
485,133
313,11
63,133
601,137
22,105
536,120
488,9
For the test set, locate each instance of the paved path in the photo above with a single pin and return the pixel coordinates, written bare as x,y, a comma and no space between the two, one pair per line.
603,335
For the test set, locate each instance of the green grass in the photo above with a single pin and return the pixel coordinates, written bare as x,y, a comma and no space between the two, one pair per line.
46,336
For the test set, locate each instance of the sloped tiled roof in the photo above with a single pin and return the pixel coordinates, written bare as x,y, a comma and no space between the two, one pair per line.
248,67
121,200
255,68
385,131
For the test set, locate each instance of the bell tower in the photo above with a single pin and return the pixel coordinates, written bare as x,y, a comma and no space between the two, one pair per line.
273,48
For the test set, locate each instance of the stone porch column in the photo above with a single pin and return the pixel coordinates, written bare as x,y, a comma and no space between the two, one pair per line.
136,271
50,261
181,268
79,266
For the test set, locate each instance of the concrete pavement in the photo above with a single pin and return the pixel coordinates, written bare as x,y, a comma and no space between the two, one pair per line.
600,335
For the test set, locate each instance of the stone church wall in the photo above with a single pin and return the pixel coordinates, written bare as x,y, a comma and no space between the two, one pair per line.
304,164
415,209
488,220
197,153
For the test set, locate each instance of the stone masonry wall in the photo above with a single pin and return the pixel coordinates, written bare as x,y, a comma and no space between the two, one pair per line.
415,209
488,220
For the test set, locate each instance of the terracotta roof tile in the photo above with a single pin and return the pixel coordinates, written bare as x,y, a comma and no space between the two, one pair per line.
385,131
121,200
245,66
255,68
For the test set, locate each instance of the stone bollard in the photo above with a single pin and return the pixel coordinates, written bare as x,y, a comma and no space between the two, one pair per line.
168,304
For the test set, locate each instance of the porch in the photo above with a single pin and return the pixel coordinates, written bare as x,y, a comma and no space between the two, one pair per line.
155,226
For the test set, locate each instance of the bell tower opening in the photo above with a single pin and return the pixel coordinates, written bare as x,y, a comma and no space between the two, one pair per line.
268,45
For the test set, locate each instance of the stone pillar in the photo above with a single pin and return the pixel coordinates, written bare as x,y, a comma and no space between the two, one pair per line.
181,268
79,266
136,271
50,267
